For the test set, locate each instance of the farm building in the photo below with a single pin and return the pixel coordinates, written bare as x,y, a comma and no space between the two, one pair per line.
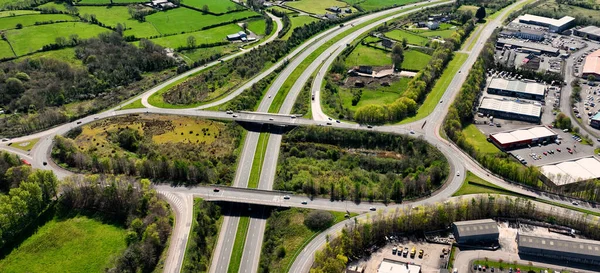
508,109
563,249
161,4
335,9
554,25
392,266
387,43
517,89
591,32
476,232
433,25
595,121
571,171
522,138
534,47
592,65
237,36
529,34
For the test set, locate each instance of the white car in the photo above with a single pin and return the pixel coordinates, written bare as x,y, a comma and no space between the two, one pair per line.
457,173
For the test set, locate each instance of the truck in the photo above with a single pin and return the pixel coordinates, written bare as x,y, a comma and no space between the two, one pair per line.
413,251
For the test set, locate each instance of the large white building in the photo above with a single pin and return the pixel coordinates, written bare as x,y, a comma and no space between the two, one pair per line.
518,89
571,171
391,266
523,137
554,25
508,109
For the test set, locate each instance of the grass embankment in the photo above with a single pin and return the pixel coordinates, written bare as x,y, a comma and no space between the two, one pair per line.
238,245
78,244
134,105
257,162
505,265
438,90
25,145
476,138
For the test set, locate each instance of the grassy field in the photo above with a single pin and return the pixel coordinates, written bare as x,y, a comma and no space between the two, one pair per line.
280,9
191,56
134,105
439,33
238,245
415,60
411,38
257,26
318,6
30,20
8,13
479,140
108,1
259,159
57,6
33,38
377,4
183,19
298,21
25,145
113,15
221,6
5,51
381,95
65,54
471,188
364,55
473,9
78,244
212,35
433,98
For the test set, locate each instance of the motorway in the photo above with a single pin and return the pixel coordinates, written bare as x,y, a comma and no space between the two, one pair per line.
181,199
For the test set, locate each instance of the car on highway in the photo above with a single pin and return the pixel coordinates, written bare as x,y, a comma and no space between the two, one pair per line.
457,173
369,126
293,116
304,202
229,112
441,101
337,121
44,163
575,203
270,118
412,132
286,197
79,122
216,190
328,123
235,116
269,96
372,209
5,139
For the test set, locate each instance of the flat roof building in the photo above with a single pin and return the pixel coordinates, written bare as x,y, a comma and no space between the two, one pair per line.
595,121
571,171
546,49
476,232
521,138
241,35
529,34
392,266
508,109
518,89
591,32
554,25
570,249
592,65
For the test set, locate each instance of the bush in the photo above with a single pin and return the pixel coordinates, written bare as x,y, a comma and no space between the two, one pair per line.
318,220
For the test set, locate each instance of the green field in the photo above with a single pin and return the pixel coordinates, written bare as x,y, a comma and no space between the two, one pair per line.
479,186
381,95
113,15
65,54
134,105
30,20
5,51
191,56
473,9
183,19
318,6
259,159
257,26
33,38
108,1
8,13
411,38
212,35
78,244
298,21
478,140
415,60
377,4
25,145
220,6
57,6
439,33
280,9
365,55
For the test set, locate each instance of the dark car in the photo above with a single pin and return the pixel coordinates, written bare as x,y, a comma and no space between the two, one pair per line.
45,163
216,189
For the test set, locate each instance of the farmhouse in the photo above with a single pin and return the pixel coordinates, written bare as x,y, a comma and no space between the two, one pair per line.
571,171
518,89
563,249
433,25
476,232
238,36
590,32
508,109
592,65
521,138
554,25
161,4
392,266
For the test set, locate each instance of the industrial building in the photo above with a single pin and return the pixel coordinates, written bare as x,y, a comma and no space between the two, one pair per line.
592,65
517,89
590,32
528,47
595,121
508,109
521,138
241,35
483,231
554,25
529,34
560,249
571,171
392,266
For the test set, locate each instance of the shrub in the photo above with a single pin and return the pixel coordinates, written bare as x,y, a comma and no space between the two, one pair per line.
318,220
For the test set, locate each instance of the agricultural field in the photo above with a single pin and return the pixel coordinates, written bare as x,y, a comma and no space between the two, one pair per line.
411,38
65,54
208,36
415,60
113,15
193,55
30,20
296,22
318,6
33,38
109,1
378,4
77,244
221,6
473,9
280,9
444,31
257,26
9,13
5,51
57,6
183,19
365,55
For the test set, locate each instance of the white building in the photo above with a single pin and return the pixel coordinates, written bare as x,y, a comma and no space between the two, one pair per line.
391,266
554,25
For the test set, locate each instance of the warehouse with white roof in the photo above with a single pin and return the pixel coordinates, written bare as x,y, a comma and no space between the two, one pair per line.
508,109
521,138
571,171
554,25
561,249
518,89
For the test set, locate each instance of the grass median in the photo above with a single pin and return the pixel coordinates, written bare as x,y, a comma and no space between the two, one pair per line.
259,159
238,245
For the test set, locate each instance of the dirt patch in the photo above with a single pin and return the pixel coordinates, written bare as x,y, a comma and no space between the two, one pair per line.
368,82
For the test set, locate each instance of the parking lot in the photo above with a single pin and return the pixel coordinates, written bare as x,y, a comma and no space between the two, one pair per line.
430,261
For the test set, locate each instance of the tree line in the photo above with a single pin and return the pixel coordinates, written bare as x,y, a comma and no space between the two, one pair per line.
358,165
203,236
357,238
